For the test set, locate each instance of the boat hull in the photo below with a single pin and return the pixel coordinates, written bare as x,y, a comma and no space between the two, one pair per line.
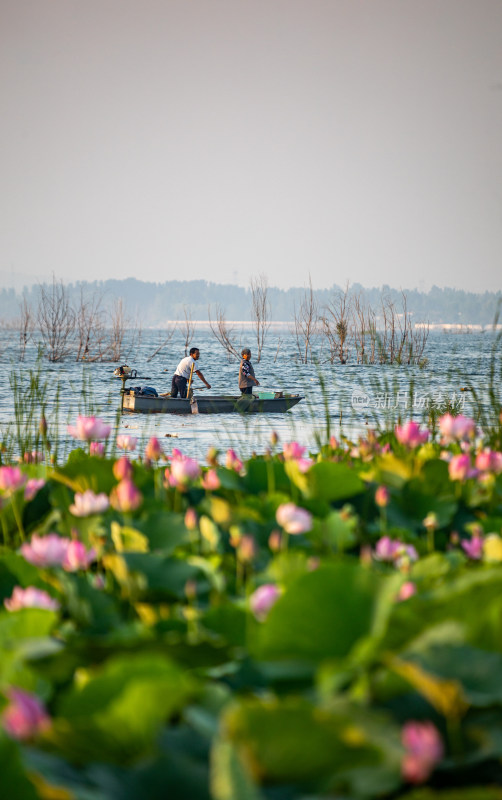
217,404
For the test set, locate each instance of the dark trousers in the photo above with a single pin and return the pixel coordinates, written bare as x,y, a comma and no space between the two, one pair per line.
247,390
179,384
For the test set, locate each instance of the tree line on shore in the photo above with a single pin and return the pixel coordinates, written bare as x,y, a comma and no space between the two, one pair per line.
154,303
344,328
340,326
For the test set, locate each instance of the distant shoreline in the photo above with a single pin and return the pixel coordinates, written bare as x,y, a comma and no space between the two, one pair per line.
283,325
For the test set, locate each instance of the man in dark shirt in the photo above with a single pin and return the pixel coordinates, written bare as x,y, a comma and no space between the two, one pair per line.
246,373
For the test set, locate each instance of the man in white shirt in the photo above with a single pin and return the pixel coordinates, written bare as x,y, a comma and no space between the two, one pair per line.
182,374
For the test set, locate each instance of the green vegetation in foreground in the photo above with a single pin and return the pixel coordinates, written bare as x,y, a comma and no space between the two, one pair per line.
287,628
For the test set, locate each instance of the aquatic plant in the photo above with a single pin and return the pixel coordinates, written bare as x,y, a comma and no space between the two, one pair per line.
259,626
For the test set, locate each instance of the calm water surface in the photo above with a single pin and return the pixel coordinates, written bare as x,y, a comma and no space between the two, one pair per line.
346,399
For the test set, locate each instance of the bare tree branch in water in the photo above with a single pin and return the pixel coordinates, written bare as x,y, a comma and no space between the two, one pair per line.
221,331
371,328
420,336
360,326
401,343
117,331
260,311
56,320
90,327
306,324
337,325
26,326
120,345
165,341
389,338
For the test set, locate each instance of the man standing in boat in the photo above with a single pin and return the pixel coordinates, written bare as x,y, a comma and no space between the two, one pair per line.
246,373
183,372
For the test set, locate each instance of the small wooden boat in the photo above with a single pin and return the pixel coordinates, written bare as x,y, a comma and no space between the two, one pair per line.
268,403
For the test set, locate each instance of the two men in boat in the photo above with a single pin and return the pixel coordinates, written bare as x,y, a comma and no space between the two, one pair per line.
184,370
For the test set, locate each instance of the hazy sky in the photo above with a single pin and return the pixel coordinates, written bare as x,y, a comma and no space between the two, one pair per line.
355,140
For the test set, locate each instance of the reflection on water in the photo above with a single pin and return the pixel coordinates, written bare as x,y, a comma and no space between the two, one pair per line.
339,399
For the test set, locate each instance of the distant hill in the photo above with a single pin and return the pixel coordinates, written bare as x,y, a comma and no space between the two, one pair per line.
153,304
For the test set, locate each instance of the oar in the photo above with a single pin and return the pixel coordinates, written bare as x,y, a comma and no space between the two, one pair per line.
194,408
190,381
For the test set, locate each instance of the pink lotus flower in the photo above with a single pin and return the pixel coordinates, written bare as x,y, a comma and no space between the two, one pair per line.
32,488
334,443
167,477
45,551
456,429
460,468
489,461
386,549
183,471
393,550
210,481
382,497
262,600
89,503
35,457
293,450
473,548
25,716
410,434
122,468
11,479
88,429
274,541
293,519
77,557
153,450
97,449
232,461
424,749
126,442
191,519
407,590
30,597
125,496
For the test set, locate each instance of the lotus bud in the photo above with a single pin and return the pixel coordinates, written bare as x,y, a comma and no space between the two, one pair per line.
246,549
382,497
191,519
274,541
122,469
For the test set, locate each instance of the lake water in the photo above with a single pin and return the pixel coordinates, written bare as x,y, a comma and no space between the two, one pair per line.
349,398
